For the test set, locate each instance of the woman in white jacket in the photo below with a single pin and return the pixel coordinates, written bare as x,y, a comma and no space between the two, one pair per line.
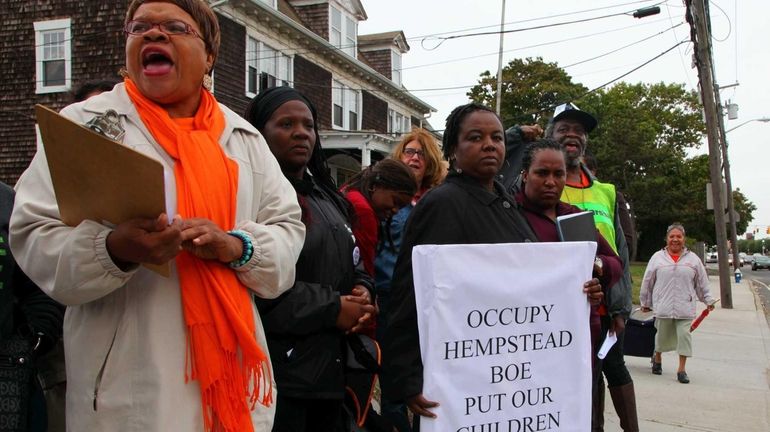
674,279
186,352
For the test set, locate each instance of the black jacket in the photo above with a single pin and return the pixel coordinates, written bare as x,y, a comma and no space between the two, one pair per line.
459,211
514,155
305,345
24,308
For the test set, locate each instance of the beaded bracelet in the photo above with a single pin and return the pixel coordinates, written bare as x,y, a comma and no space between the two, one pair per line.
248,248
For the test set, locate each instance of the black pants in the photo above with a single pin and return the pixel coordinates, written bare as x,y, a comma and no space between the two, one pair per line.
37,417
614,365
307,415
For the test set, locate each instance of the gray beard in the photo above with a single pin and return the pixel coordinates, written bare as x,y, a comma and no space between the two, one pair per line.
573,162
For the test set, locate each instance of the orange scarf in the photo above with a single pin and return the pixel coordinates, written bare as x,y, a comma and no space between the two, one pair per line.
217,307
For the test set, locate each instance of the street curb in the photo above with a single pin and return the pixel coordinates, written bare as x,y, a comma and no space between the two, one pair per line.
761,297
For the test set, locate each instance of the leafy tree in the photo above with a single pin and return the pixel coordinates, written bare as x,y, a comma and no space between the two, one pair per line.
745,210
640,144
530,88
753,246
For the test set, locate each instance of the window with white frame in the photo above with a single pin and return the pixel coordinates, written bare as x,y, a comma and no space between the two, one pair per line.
343,31
335,26
351,37
398,123
395,65
252,66
346,107
53,55
353,109
265,67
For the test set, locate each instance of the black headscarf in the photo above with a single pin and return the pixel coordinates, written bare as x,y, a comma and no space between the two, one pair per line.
259,111
267,101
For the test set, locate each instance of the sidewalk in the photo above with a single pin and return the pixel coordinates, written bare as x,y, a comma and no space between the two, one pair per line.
729,386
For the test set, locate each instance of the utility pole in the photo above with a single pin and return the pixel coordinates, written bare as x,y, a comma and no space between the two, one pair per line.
500,62
731,214
728,185
702,40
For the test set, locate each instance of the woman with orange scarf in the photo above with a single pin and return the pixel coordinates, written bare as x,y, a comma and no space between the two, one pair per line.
187,352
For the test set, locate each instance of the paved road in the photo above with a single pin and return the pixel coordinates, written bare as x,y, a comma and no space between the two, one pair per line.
730,388
761,284
761,275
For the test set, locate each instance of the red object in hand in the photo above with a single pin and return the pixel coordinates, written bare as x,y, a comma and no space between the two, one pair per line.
698,320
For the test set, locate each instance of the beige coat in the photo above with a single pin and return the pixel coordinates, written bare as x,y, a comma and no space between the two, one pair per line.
124,332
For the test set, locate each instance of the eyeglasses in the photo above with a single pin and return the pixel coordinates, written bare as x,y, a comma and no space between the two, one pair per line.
170,28
410,152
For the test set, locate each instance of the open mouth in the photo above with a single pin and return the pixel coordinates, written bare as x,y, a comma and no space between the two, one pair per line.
156,62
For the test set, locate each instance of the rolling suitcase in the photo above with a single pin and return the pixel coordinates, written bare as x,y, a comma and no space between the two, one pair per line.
640,334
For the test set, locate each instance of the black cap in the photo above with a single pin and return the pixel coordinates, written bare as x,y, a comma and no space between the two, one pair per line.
571,111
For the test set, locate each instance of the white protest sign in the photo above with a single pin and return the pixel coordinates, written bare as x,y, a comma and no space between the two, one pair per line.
505,336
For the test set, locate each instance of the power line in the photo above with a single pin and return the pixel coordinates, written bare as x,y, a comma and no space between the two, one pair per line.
623,47
551,107
634,69
372,90
729,24
301,51
528,20
679,49
443,39
563,67
535,45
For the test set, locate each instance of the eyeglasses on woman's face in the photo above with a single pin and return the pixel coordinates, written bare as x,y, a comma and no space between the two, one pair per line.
170,28
410,152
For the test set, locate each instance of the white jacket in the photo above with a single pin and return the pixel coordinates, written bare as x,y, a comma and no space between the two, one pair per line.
124,333
671,288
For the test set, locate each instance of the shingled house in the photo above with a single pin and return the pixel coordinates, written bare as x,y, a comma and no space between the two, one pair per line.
47,48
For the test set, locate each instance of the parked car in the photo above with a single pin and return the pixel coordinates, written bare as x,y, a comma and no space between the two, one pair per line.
747,259
760,262
712,257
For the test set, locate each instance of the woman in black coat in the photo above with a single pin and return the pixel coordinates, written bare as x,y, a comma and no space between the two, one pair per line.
470,207
332,295
28,317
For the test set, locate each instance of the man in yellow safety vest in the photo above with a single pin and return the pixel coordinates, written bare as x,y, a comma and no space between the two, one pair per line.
570,127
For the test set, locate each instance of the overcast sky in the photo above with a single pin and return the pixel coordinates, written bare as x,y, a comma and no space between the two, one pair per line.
740,49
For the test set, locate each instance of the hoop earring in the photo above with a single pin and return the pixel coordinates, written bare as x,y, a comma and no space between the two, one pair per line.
208,83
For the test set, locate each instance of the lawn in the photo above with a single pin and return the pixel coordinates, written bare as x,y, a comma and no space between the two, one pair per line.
637,272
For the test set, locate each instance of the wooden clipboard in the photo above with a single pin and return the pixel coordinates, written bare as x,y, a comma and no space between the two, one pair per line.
97,178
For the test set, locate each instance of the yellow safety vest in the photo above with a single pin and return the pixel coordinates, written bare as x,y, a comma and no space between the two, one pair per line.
599,198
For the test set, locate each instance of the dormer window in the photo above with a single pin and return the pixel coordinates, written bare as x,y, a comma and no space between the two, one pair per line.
343,31
395,64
